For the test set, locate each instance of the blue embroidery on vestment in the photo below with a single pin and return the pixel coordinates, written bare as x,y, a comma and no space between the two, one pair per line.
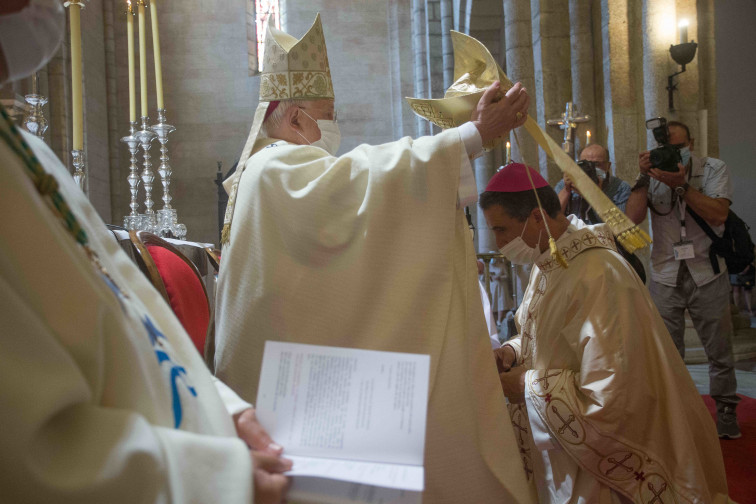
177,372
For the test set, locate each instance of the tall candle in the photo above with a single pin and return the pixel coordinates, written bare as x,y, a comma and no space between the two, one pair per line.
588,137
132,70
76,94
142,59
156,50
509,152
683,31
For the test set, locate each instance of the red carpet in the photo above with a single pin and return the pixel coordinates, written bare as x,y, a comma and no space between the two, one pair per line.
740,454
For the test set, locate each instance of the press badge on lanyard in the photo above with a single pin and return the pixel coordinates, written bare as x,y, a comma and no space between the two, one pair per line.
684,248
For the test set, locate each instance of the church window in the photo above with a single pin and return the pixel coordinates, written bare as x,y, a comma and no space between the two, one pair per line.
266,11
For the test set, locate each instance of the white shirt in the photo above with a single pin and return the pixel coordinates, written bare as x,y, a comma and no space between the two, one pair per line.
709,176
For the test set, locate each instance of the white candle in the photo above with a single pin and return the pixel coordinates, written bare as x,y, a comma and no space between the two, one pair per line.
509,153
156,51
132,70
76,93
142,59
588,137
683,25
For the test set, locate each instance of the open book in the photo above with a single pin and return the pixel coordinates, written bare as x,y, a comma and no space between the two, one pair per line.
353,421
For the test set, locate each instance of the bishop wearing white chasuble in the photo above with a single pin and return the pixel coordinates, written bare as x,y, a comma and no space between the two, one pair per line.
603,407
344,251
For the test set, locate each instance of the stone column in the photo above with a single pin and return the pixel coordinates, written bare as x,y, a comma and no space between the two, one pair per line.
447,50
622,85
551,64
583,73
519,57
659,32
707,73
420,50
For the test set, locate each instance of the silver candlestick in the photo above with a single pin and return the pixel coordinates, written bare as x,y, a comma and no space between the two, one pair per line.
167,217
132,221
146,136
34,121
79,163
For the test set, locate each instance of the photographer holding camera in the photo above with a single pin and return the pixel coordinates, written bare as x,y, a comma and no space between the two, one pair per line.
594,160
672,182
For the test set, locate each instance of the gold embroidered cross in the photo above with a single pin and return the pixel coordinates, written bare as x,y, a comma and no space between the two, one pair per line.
565,423
657,495
619,463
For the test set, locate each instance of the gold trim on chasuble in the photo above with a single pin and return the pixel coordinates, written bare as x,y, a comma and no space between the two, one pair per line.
623,467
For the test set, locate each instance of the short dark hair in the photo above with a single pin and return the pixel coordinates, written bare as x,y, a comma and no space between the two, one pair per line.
678,124
519,205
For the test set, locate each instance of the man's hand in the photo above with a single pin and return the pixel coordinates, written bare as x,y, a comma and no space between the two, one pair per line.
644,161
505,358
513,384
252,433
495,117
672,179
270,487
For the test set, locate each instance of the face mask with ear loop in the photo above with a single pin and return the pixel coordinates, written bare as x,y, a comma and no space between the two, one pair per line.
30,37
518,252
330,135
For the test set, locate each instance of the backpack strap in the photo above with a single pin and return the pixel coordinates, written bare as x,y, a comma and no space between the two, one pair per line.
710,233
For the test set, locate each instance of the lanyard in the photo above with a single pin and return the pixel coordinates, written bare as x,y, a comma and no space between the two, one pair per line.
681,206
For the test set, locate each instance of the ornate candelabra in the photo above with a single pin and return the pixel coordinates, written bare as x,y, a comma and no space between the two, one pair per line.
167,220
132,221
35,122
145,137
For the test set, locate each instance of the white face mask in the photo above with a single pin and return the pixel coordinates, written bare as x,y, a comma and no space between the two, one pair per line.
30,37
518,252
330,135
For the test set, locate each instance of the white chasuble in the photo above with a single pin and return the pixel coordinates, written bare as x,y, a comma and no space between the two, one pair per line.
104,397
611,413
369,250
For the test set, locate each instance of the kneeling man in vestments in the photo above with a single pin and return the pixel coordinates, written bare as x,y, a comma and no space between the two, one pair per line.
602,404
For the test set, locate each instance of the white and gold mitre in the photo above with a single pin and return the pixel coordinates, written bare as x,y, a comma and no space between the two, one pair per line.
475,69
292,69
295,68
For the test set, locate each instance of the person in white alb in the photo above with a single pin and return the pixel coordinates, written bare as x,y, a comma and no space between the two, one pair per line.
604,409
369,249
103,397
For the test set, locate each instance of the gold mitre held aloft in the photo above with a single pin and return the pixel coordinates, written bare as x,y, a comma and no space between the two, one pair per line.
475,70
292,69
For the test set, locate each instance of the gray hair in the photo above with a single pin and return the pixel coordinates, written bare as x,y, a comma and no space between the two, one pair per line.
277,115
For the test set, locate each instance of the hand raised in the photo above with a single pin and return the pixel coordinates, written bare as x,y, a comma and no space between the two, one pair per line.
495,116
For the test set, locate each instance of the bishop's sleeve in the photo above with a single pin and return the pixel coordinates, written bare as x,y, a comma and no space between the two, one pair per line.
59,444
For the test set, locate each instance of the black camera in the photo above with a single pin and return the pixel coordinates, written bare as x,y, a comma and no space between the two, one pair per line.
666,156
589,168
